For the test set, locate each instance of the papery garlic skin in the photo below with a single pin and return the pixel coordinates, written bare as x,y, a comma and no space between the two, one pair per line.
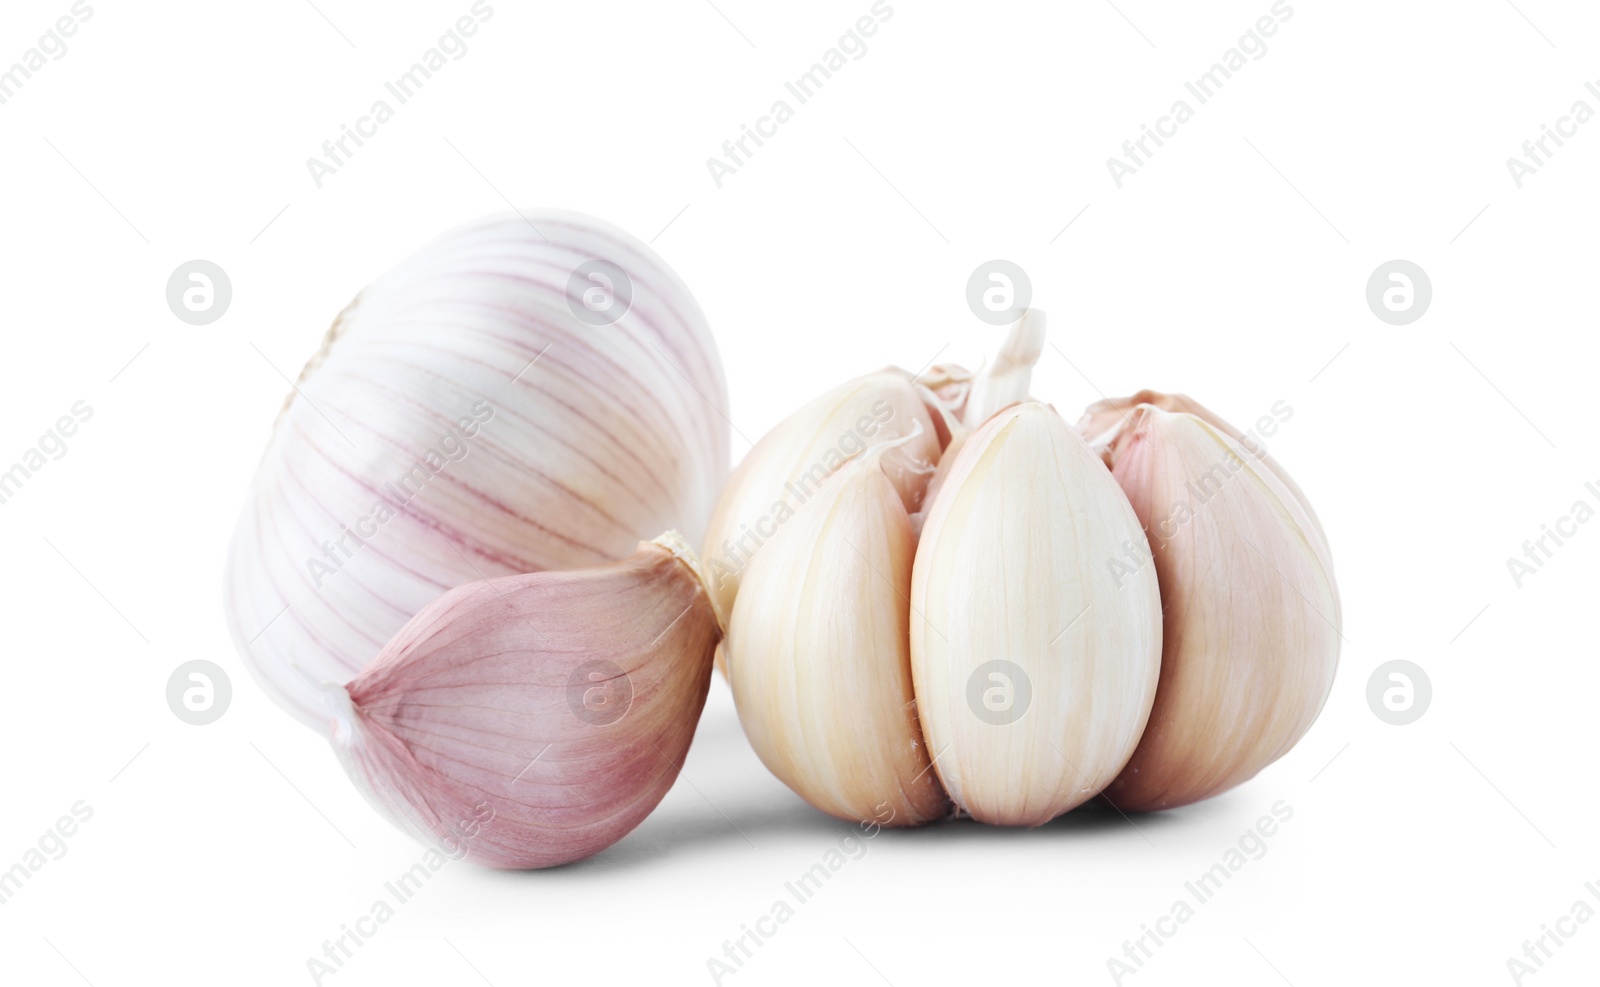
1010,569
536,719
820,655
787,467
1252,612
462,422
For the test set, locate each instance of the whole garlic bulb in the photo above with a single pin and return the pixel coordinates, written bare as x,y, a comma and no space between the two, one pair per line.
1034,669
531,391
1251,610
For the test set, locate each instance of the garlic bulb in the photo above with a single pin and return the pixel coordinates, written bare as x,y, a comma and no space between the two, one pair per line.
820,657
535,719
523,394
1252,612
1034,670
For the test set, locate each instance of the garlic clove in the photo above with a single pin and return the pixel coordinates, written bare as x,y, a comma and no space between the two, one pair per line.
789,465
1252,612
1106,424
1034,671
463,421
536,719
820,658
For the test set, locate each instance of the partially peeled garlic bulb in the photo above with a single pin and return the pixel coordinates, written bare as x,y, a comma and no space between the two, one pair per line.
1034,670
1252,612
532,391
865,663
820,657
535,719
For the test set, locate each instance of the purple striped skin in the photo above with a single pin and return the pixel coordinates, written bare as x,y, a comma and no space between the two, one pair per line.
467,732
614,434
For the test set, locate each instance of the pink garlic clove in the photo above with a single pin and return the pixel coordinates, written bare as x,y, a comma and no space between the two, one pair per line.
535,719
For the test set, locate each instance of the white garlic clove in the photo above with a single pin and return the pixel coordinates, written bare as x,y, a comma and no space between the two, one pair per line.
1252,612
790,463
535,719
1034,670
464,421
820,658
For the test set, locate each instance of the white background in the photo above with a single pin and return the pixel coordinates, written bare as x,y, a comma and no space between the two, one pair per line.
1232,267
